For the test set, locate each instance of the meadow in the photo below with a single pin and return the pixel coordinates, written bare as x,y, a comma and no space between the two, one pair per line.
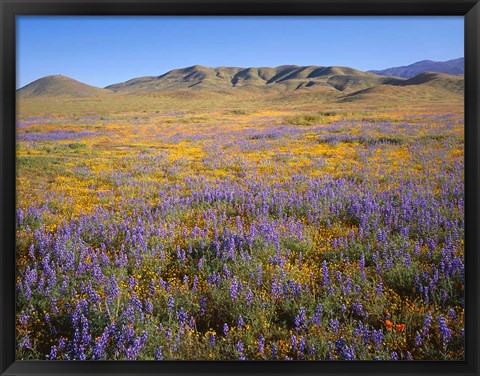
240,234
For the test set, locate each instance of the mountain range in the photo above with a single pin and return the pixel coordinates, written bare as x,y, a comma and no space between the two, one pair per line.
455,66
331,82
285,77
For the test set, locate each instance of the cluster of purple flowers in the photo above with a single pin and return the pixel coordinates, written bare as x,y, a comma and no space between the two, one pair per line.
191,252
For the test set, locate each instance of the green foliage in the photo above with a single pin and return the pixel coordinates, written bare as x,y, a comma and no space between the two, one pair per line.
308,119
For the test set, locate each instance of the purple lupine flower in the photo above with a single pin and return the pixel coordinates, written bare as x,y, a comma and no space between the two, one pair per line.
101,344
249,297
53,353
444,296
362,267
225,271
136,303
261,343
301,319
182,317
340,345
225,329
274,351
24,318
408,260
31,252
62,343
170,304
203,306
112,289
377,336
418,339
358,309
382,235
302,343
416,250
334,324
132,282
234,289
427,322
330,350
259,275
348,285
53,305
394,356
325,276
375,259
348,353
158,354
293,341
241,355
149,307
241,323
445,332
25,343
451,314
379,290
133,351
211,339
316,319
195,284
168,333
425,293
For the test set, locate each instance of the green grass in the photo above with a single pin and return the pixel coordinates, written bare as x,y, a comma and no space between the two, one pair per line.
308,119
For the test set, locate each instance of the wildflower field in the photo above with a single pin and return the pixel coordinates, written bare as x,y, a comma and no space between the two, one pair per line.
241,235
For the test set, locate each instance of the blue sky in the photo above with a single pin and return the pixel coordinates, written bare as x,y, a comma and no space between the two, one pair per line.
105,50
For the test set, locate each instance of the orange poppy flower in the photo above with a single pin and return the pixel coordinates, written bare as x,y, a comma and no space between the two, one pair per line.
281,342
400,327
389,324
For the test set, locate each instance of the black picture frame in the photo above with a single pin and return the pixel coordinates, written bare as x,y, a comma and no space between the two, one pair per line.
9,9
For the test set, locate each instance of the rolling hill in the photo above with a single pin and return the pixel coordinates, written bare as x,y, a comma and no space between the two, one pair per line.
440,80
203,88
285,77
59,86
333,81
454,67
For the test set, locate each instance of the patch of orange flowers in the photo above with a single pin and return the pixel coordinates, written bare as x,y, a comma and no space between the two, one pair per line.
398,327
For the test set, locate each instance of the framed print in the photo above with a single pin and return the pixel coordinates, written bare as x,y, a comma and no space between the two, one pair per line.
243,187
